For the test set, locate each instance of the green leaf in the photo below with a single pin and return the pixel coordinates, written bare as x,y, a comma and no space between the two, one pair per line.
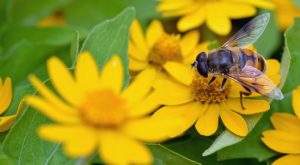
74,46
296,3
165,156
52,36
109,38
19,61
252,146
86,14
285,66
269,41
2,12
23,145
4,159
191,146
292,38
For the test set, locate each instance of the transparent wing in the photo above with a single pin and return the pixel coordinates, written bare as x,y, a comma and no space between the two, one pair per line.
250,32
257,81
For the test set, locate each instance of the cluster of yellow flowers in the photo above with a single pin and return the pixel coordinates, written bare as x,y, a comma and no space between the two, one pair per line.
93,112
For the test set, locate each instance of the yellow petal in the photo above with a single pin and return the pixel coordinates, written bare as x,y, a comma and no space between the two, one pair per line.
172,93
286,122
146,106
275,78
78,141
252,106
207,123
136,54
281,141
173,5
86,72
5,95
192,20
154,32
113,74
183,116
140,86
238,10
189,42
273,67
235,89
296,102
148,129
258,3
182,73
50,97
189,59
160,75
292,159
233,121
217,21
137,37
6,122
118,149
51,111
63,81
181,11
135,65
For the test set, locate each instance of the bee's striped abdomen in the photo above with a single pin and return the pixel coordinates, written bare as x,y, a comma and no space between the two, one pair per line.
250,58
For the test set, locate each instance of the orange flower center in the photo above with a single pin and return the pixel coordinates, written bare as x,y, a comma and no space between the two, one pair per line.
166,48
103,109
209,93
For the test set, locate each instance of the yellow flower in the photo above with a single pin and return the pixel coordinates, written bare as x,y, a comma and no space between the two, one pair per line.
285,11
56,19
94,113
192,100
5,99
216,13
156,48
285,136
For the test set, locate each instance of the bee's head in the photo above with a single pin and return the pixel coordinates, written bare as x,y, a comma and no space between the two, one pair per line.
201,64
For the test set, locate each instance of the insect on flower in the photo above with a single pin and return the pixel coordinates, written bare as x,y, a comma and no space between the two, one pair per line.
233,60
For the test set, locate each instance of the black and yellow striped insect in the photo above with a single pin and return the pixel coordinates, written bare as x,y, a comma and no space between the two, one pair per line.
233,60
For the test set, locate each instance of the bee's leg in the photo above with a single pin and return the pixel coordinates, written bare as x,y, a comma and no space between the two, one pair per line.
212,80
247,93
223,84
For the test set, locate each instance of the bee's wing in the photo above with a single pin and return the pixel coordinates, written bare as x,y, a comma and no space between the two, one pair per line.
257,81
249,33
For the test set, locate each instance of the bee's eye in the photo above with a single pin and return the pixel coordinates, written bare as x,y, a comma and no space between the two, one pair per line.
202,66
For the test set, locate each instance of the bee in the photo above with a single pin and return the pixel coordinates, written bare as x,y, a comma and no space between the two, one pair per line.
233,60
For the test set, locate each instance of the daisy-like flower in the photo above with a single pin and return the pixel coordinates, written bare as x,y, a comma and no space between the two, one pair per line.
216,13
192,100
156,48
94,113
5,99
286,11
285,136
56,19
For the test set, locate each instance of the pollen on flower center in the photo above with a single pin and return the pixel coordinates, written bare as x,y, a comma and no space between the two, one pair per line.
103,109
209,93
166,48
